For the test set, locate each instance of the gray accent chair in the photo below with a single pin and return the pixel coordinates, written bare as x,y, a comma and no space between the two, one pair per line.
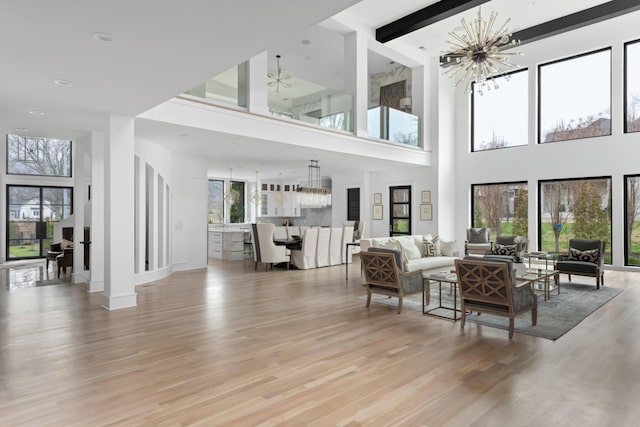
382,270
488,286
478,241
585,266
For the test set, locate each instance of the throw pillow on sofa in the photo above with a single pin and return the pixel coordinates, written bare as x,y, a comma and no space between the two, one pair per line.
447,248
432,247
408,247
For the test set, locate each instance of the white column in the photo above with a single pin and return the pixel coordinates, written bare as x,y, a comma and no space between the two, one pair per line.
119,289
257,84
356,79
96,223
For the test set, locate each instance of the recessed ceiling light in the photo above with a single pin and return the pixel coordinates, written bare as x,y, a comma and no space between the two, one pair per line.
306,42
422,48
184,135
21,130
61,82
36,113
102,37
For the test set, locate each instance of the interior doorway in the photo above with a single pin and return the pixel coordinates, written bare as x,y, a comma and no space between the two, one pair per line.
400,210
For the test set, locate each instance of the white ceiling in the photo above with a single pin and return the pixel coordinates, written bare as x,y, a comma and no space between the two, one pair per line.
162,49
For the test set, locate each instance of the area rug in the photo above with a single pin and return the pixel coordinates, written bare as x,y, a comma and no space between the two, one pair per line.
556,317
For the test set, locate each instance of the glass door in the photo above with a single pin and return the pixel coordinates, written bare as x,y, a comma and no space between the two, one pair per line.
400,210
31,213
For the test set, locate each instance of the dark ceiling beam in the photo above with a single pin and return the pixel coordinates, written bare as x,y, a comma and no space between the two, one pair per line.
423,17
593,15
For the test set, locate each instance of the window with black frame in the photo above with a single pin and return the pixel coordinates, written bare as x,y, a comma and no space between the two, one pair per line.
236,210
215,212
574,108
38,156
503,208
574,208
632,86
632,219
500,118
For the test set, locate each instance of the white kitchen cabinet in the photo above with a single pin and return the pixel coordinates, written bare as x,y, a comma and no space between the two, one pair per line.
227,245
214,243
271,205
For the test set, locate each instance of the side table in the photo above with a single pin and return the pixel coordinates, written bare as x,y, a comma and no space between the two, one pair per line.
452,281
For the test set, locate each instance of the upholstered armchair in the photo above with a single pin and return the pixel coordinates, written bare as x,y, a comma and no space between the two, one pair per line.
512,246
383,275
64,260
478,242
55,249
264,249
488,286
585,258
305,257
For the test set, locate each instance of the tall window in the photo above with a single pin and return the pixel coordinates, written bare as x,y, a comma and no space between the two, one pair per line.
236,210
571,107
632,86
216,201
503,208
632,220
500,117
38,156
32,212
579,208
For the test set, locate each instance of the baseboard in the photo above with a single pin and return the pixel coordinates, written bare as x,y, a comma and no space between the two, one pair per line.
120,301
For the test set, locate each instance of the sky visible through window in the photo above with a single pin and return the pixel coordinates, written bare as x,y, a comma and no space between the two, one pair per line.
501,116
575,90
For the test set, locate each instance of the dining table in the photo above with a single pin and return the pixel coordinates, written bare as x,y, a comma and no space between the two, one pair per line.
292,244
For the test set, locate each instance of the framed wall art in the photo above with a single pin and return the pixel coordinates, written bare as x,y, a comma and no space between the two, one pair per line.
426,212
377,198
377,211
426,196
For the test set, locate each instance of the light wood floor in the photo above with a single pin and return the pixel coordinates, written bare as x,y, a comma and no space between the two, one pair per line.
232,347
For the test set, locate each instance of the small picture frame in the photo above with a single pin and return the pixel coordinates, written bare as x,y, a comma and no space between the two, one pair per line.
426,212
377,198
377,212
426,196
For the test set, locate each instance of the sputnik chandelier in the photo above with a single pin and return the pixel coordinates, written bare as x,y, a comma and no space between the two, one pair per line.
477,54
278,78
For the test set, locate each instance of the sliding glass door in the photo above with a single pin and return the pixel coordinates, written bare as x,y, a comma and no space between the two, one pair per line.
31,213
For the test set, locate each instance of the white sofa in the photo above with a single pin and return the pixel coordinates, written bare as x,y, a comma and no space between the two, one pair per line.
413,249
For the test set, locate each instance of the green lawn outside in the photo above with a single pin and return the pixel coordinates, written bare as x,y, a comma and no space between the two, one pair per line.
24,251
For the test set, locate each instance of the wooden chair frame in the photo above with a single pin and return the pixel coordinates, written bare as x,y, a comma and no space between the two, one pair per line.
488,287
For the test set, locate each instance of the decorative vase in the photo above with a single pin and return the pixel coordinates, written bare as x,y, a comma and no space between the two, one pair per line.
520,268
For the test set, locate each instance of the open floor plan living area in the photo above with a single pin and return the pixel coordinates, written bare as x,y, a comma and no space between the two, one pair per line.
336,213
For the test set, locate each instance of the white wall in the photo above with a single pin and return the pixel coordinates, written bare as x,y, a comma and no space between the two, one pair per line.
614,155
189,206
